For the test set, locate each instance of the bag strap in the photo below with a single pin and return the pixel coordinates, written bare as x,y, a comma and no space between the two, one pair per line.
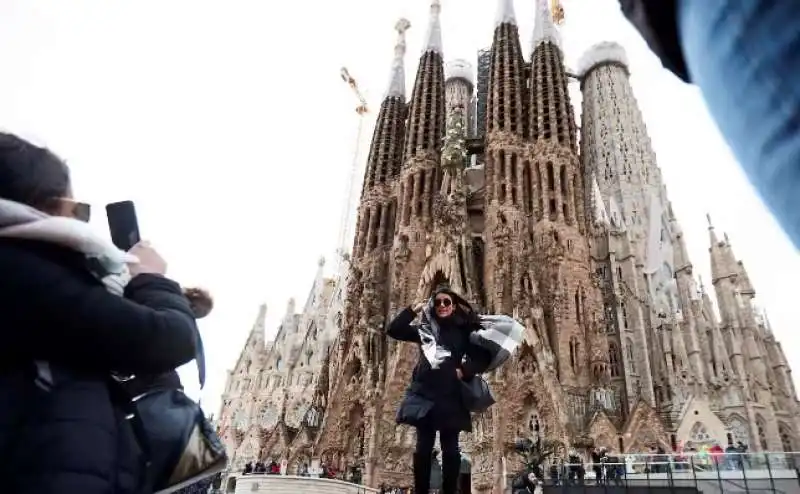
200,360
121,398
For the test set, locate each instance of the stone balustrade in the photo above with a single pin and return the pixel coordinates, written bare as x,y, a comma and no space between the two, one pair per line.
291,484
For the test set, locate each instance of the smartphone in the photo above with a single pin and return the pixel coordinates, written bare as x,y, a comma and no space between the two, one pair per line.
123,224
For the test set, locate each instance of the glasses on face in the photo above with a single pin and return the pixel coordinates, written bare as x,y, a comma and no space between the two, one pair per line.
81,211
442,302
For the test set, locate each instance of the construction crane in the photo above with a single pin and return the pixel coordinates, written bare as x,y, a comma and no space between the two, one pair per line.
346,77
346,221
557,11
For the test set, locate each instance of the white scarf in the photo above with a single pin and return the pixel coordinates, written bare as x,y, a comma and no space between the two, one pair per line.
499,334
107,262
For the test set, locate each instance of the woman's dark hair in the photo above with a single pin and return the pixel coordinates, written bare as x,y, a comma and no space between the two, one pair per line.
463,313
30,174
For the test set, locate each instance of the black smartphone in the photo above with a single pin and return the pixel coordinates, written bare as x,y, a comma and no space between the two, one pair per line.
123,224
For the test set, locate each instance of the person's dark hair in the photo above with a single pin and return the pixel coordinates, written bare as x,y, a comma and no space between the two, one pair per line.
463,313
30,174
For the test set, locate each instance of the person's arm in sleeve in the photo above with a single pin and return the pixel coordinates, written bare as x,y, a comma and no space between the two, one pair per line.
400,328
70,316
476,362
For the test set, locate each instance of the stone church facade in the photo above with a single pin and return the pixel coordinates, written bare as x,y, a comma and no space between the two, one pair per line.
573,237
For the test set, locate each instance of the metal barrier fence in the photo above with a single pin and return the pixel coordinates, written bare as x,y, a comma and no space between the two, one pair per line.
767,472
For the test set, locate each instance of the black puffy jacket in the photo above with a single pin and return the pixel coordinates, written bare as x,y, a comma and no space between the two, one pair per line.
61,430
434,396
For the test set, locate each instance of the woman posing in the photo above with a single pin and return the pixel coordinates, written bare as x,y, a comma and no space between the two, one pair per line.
74,309
433,401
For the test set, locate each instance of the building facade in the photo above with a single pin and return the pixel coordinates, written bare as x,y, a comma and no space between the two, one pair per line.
577,240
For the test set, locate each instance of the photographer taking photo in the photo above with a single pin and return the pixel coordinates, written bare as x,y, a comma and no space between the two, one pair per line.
73,310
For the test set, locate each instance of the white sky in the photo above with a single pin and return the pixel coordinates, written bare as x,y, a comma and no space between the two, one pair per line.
229,126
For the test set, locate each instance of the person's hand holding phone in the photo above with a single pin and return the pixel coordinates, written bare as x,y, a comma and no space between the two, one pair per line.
150,261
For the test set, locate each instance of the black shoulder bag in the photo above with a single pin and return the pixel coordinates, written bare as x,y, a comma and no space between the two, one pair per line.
180,444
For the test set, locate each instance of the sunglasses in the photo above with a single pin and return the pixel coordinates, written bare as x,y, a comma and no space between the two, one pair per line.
81,211
442,302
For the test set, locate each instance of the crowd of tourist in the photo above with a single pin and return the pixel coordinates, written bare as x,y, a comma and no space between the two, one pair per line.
609,467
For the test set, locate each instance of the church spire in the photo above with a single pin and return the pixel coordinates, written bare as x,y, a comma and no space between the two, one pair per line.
397,80
505,13
506,103
723,265
551,117
600,214
433,40
258,331
385,157
426,117
544,29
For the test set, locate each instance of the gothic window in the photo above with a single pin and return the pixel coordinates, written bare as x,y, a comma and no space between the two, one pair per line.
420,193
361,441
619,272
539,189
575,201
574,354
624,314
577,306
613,359
761,428
739,430
786,437
409,191
629,345
699,434
527,197
512,183
364,230
279,364
551,183
501,163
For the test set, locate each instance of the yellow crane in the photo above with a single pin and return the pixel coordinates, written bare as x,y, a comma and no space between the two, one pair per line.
347,221
557,11
346,77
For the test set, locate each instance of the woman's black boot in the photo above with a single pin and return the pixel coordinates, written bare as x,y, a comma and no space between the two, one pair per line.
451,466
422,473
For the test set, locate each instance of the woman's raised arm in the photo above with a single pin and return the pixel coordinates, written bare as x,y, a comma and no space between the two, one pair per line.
401,328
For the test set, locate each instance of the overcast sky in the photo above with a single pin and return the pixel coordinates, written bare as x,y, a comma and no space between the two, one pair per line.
229,126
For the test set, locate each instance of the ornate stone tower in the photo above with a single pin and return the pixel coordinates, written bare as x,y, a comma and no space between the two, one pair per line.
420,166
571,297
744,334
616,153
357,361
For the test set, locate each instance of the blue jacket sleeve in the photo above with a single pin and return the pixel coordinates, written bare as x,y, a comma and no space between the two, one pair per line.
401,329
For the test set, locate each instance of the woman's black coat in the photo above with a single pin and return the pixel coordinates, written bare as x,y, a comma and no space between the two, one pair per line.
61,431
433,399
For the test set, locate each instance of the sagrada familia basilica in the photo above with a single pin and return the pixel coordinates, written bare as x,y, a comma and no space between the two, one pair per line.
491,190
